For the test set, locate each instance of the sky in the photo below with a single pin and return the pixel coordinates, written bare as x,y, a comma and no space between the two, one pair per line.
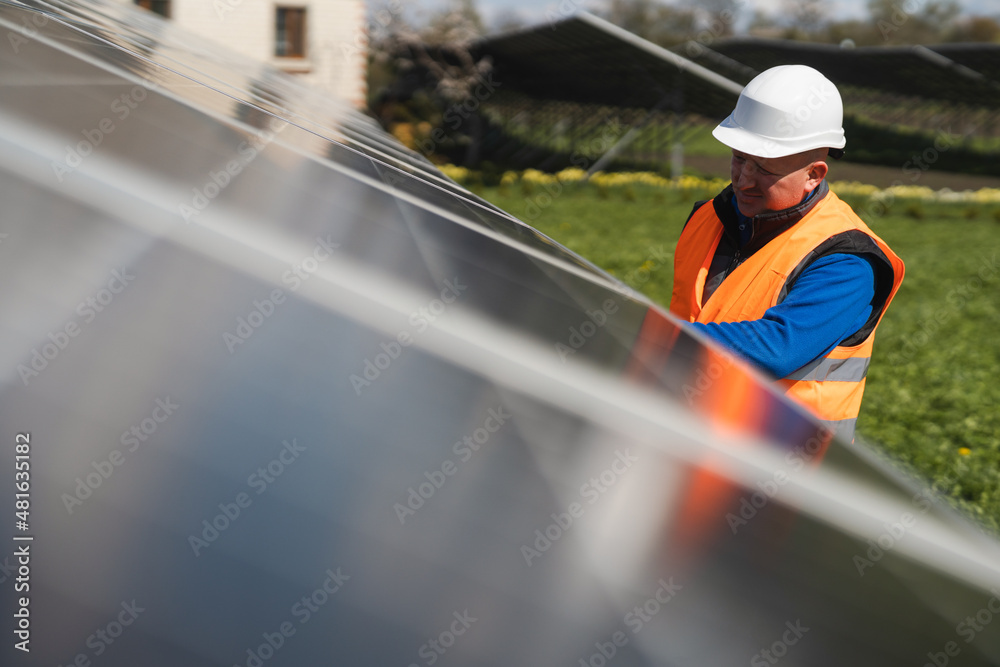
532,11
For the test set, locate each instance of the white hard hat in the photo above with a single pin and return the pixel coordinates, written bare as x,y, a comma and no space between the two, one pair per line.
785,110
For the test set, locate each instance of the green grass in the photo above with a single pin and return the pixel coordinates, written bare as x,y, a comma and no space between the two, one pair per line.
933,385
608,226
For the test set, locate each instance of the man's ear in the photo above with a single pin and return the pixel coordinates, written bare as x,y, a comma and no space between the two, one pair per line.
817,172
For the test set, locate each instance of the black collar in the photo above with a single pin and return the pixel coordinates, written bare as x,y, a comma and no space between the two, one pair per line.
766,226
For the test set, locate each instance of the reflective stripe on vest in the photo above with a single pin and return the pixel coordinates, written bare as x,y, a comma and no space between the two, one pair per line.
852,369
832,386
842,428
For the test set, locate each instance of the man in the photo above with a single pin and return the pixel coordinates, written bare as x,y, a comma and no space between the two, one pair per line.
777,268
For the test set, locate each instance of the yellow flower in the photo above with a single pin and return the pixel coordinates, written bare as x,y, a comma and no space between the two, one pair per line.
571,174
964,451
535,176
405,132
909,192
457,174
853,188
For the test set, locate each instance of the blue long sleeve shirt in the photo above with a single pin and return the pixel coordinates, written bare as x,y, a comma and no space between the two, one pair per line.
831,299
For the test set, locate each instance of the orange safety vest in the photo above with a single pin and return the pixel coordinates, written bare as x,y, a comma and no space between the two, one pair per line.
831,387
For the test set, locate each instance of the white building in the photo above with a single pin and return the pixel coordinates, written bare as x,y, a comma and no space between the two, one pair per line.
324,41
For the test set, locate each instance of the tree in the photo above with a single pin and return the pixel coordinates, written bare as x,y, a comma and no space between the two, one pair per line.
459,23
652,20
442,47
807,17
439,56
977,29
913,21
507,20
854,31
717,16
763,24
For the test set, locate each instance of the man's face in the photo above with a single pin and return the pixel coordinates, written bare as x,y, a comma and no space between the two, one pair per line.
772,184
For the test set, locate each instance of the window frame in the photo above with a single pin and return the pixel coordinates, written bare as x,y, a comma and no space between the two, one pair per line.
283,32
151,5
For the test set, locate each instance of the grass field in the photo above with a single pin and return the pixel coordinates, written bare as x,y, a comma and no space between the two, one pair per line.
932,403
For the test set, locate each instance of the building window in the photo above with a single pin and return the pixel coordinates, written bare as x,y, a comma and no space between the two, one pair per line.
290,36
161,7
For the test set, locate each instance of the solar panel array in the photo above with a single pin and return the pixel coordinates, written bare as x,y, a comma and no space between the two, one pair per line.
591,63
916,71
585,59
278,392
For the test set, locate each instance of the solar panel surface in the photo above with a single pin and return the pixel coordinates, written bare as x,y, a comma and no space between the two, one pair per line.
293,397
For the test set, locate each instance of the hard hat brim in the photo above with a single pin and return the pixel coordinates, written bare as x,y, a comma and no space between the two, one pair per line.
731,134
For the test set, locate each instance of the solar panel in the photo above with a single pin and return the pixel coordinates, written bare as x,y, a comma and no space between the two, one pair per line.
585,59
915,71
286,395
981,58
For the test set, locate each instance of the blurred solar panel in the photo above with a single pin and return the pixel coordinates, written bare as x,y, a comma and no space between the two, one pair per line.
289,396
585,59
964,74
983,59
